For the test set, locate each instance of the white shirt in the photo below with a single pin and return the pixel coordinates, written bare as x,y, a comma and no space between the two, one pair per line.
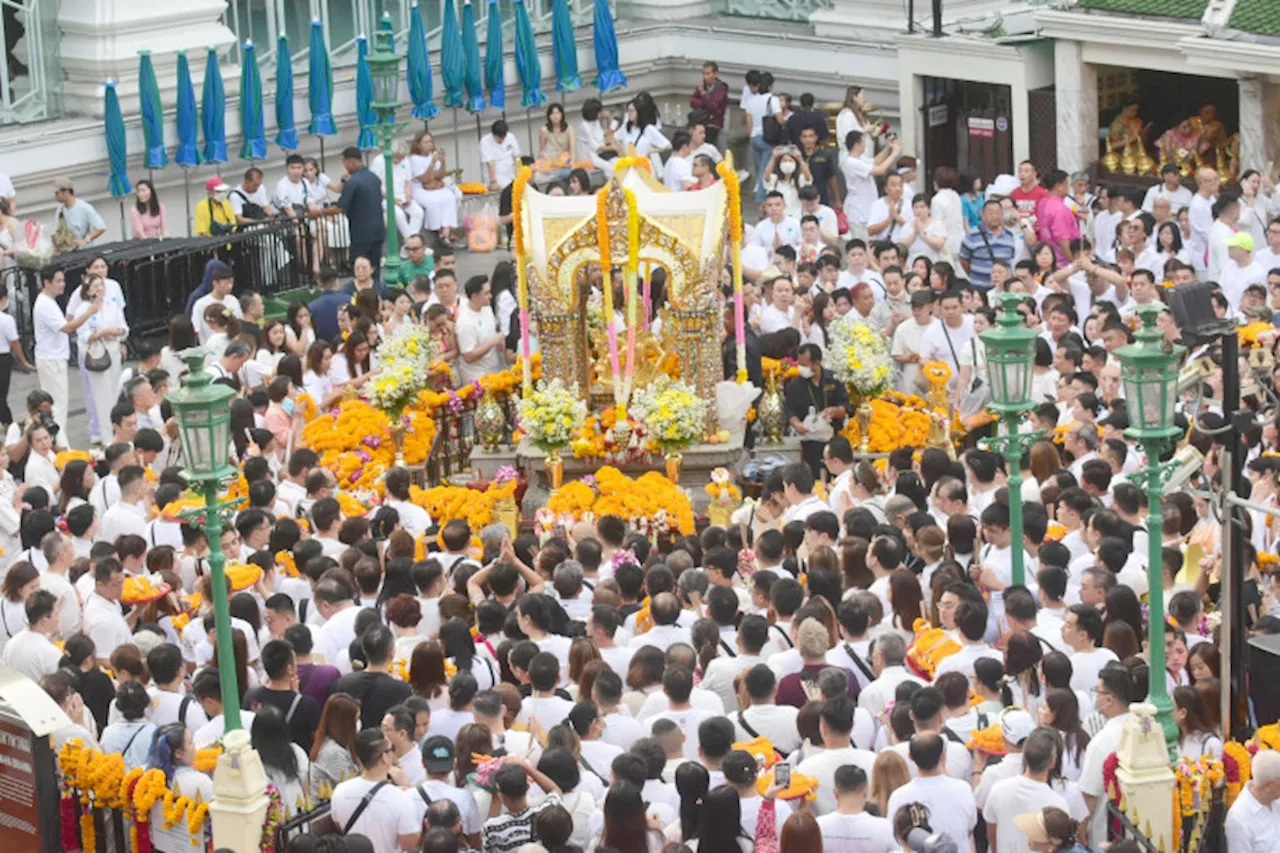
950,802
68,606
197,314
722,671
412,517
475,328
677,174
907,338
862,190
390,813
688,720
1235,278
503,155
823,768
774,319
336,634
1219,233
1178,198
880,692
804,509
121,519
787,231
934,345
758,105
438,790
1251,827
165,706
964,659
1086,665
105,625
549,711
879,212
776,722
1100,746
1012,797
31,654
856,833
621,730
657,702
1200,218
52,344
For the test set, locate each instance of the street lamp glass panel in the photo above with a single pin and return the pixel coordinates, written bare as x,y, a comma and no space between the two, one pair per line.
1012,376
1149,388
386,85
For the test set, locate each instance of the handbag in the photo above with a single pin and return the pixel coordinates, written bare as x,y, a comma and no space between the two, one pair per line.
97,358
63,238
975,398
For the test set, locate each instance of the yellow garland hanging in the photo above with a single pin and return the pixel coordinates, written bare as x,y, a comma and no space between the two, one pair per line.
734,191
633,231
602,242
60,461
517,206
632,161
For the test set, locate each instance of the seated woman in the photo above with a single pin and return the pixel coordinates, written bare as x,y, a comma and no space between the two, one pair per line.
556,144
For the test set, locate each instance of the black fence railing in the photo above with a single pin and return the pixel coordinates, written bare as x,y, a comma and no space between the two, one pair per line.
1122,827
316,822
1202,832
157,276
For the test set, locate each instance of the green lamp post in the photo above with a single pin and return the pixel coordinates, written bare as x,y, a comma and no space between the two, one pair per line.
1011,355
384,68
203,410
1149,369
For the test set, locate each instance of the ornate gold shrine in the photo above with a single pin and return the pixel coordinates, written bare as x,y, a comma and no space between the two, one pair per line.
682,232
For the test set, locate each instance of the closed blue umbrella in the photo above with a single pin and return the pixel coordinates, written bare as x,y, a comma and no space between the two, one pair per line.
187,154
319,84
286,133
155,156
564,47
452,63
473,78
419,68
605,40
252,128
364,97
117,155
494,83
527,64
213,112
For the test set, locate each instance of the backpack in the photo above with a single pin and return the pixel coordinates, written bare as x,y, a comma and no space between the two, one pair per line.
250,209
772,130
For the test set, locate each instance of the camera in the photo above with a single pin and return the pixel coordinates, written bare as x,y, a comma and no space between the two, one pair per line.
45,419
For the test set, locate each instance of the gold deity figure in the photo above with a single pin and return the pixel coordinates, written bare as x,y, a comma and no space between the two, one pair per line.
653,355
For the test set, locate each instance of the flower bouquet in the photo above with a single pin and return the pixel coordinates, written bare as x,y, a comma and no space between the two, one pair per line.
550,415
673,413
860,359
404,369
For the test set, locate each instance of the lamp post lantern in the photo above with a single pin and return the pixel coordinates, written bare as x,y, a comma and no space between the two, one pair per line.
203,410
384,68
1149,369
1011,354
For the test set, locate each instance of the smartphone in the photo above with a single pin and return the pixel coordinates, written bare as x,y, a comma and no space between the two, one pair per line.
782,775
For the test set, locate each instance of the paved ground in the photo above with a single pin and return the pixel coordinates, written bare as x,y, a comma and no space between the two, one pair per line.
78,429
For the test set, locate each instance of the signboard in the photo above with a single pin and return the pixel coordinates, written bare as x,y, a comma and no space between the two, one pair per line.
1002,124
19,808
938,115
982,128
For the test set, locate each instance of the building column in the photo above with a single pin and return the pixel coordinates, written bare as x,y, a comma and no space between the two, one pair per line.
1253,124
100,40
1076,87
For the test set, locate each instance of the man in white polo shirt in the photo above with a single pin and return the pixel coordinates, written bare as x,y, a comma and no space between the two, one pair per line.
53,342
105,624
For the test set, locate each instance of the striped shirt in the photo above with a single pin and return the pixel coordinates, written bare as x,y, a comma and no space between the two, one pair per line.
983,248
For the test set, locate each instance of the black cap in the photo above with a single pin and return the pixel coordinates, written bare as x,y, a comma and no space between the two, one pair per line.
922,297
437,754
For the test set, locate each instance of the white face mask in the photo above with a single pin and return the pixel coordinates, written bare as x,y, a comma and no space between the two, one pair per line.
806,372
787,167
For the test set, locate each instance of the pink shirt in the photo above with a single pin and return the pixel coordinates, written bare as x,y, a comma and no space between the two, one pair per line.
145,226
1056,222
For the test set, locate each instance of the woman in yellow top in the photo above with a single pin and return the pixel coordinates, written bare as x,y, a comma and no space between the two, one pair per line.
214,212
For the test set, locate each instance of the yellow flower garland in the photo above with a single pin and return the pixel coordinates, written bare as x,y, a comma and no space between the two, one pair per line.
733,190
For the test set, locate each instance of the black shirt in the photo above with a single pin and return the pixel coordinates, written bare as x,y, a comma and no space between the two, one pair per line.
305,718
802,394
822,168
729,354
361,200
376,692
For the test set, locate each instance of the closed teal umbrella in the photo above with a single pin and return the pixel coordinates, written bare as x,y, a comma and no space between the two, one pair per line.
319,85
452,63
565,48
367,116
155,156
418,67
608,75
473,78
117,155
252,128
494,83
527,65
286,133
213,112
187,154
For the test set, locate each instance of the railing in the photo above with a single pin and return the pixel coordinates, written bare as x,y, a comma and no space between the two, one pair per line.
1122,827
302,823
1202,832
773,10
29,67
157,276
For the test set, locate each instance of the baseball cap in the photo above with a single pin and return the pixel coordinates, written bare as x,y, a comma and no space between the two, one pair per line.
1031,824
1170,169
437,754
772,273
1016,725
1240,240
63,184
1002,185
739,767
215,185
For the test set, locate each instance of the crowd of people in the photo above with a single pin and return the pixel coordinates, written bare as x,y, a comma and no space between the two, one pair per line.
598,690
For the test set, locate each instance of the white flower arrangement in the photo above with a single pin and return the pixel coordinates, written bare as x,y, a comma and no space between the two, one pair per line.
859,357
672,412
550,415
403,369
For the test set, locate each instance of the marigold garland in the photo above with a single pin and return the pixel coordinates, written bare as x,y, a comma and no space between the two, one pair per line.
60,461
602,242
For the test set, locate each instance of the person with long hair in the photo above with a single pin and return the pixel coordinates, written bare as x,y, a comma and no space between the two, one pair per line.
473,739
1061,710
333,753
100,339
352,364
286,764
693,782
21,580
1204,662
502,286
182,336
643,677
173,751
1022,654
557,143
907,600
77,480
853,116
430,168
316,381
800,834
460,650
299,334
1196,735
720,827
889,773
147,216
427,673
643,129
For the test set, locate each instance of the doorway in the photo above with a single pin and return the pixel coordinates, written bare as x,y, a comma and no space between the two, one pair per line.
967,125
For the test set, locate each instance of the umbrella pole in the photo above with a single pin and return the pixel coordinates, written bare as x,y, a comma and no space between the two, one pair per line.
457,144
322,153
186,191
479,133
528,124
124,228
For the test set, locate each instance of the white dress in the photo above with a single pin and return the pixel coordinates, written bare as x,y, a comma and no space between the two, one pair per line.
335,231
440,205
104,385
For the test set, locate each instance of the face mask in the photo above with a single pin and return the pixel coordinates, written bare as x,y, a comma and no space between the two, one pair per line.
806,372
287,404
787,167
